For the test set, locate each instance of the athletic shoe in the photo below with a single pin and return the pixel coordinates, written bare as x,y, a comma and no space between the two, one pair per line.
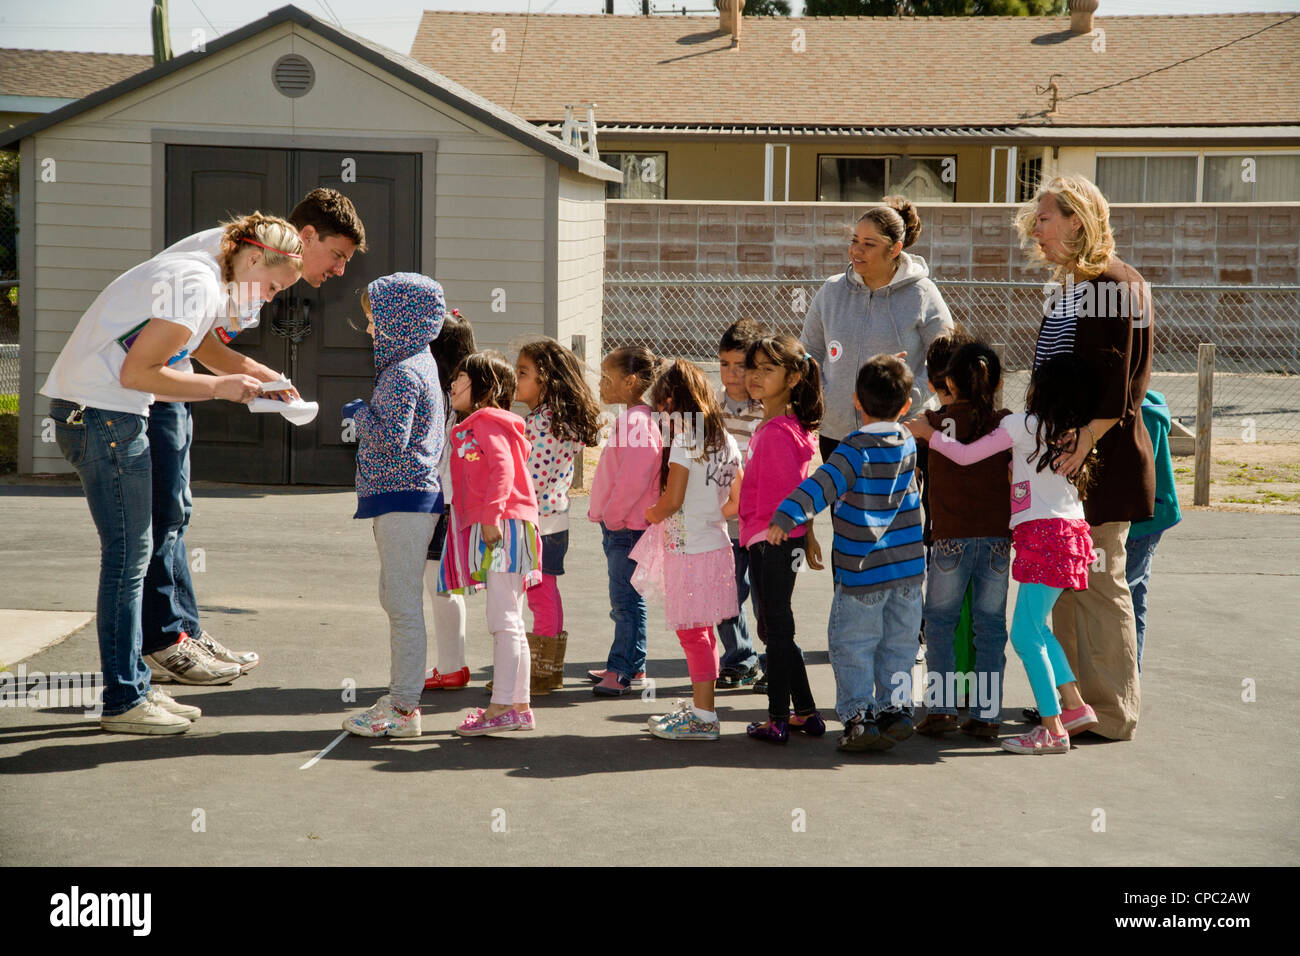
895,723
679,705
188,662
638,679
974,727
435,681
476,723
1080,719
160,697
384,720
813,725
685,725
145,717
732,677
861,733
760,685
527,721
935,725
612,685
246,660
1040,740
770,731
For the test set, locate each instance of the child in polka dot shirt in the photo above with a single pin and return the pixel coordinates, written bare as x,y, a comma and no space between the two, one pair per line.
563,419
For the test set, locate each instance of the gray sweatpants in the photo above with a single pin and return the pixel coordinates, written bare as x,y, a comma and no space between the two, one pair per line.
403,541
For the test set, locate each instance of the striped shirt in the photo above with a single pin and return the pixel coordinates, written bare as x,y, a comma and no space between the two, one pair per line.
1056,337
741,418
870,484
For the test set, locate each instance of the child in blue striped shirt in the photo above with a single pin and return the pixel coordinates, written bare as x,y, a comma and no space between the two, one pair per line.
878,558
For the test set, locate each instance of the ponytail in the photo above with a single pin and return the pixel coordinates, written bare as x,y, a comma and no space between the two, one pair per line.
276,238
974,373
788,353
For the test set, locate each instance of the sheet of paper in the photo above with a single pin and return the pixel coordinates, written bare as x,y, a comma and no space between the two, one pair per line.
298,413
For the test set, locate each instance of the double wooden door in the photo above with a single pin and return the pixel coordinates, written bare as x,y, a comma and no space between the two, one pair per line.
304,332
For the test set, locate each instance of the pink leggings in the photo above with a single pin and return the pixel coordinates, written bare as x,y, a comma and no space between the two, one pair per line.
701,647
548,610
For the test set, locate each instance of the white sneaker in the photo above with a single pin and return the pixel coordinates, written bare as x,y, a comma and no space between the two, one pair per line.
246,660
145,717
657,719
189,662
384,720
164,700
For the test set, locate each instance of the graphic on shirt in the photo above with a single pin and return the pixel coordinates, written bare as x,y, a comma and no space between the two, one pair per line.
834,350
127,339
1019,496
467,445
721,473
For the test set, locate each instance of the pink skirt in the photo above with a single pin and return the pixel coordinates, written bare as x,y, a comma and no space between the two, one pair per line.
698,590
1053,551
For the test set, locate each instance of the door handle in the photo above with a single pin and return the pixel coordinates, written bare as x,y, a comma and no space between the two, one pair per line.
293,322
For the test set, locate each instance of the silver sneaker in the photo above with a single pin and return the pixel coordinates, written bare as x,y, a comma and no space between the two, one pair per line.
246,660
145,717
164,700
189,662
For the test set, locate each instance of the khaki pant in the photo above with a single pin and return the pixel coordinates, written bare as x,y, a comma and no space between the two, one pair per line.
1098,632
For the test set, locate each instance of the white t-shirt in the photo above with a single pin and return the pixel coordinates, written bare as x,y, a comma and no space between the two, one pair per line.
185,289
1036,494
700,524
208,242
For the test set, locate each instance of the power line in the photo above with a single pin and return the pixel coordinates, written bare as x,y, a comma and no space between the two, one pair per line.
1189,59
205,17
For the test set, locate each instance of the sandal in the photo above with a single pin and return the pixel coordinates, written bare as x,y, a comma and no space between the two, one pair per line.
935,725
974,727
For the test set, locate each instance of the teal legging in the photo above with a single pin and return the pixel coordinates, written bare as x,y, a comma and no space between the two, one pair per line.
1038,647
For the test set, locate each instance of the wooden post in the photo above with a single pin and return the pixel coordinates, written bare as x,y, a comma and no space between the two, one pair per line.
1001,349
578,346
1204,420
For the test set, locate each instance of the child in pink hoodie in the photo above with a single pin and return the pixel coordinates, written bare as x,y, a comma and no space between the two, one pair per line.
625,486
492,538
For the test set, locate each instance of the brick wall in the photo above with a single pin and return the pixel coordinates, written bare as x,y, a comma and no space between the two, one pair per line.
1188,243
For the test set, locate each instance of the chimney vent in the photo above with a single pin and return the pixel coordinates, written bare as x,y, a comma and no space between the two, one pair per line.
729,17
1081,12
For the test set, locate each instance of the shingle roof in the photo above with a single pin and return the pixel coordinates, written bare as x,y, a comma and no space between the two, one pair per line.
62,74
876,71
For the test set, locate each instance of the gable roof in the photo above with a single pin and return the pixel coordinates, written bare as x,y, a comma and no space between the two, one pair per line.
62,74
877,71
396,64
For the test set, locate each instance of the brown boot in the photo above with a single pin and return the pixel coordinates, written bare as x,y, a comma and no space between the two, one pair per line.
557,661
539,665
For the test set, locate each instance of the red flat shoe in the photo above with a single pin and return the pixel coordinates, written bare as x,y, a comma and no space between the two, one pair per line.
435,681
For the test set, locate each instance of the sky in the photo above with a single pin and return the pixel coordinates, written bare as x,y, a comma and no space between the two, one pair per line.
122,26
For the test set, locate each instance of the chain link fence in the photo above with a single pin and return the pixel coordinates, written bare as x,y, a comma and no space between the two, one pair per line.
1255,330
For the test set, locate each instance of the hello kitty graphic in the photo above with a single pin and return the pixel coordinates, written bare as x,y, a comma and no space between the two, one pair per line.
1019,496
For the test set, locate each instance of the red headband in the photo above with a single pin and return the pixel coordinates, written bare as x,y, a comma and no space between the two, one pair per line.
291,255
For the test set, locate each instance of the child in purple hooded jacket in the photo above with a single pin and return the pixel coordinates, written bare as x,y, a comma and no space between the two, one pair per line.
400,434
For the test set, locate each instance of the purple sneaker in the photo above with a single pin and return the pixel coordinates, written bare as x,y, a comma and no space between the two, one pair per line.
772,731
812,725
476,724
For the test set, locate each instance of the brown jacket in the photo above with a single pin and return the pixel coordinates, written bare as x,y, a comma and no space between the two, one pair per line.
1114,335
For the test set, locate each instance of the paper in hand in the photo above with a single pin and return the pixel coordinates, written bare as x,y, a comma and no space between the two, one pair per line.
296,412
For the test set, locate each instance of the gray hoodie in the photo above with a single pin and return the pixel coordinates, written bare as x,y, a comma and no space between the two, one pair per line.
847,323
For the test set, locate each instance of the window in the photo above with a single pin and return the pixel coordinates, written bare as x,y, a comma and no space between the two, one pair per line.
1147,178
1243,177
1029,176
645,175
871,178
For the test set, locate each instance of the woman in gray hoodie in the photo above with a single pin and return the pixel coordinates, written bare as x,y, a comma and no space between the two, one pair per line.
883,302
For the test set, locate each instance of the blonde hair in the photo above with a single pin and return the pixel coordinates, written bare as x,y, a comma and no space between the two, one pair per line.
278,241
1092,249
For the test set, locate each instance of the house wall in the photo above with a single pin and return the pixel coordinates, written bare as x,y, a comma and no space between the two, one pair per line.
734,171
96,219
580,254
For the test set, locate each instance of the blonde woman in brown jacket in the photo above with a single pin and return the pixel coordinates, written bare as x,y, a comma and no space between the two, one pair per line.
1101,311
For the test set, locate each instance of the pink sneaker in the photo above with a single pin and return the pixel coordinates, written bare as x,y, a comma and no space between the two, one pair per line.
527,721
638,679
1080,719
1040,740
476,724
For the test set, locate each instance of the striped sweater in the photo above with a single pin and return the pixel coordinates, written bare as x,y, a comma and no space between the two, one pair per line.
869,479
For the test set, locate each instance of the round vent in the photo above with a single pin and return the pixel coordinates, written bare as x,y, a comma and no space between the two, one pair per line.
293,75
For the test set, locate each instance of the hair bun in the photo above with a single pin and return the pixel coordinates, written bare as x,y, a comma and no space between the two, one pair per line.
906,209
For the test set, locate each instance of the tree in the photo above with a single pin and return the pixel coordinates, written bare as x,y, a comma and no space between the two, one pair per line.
767,8
934,8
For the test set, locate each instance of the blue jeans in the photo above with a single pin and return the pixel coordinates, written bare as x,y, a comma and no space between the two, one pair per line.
872,639
110,452
1141,551
955,562
168,604
734,631
627,607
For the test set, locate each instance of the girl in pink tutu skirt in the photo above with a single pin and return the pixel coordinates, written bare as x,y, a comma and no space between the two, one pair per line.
687,551
1053,548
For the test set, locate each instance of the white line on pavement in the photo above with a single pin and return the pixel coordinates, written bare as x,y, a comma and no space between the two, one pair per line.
334,743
